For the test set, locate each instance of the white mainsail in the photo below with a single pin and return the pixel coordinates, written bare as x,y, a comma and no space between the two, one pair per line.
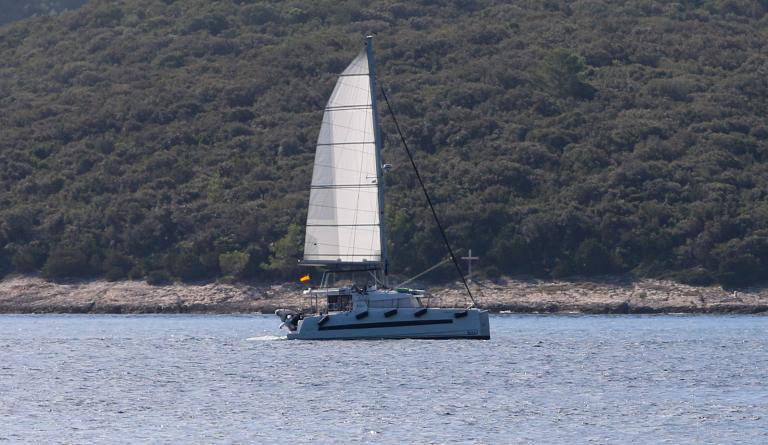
343,219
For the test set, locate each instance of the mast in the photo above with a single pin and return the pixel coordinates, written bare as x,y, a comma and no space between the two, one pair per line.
377,140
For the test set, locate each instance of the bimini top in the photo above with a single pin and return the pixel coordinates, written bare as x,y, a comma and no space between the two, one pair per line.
345,202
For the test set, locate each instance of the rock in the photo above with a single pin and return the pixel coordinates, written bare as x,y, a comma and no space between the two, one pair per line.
619,295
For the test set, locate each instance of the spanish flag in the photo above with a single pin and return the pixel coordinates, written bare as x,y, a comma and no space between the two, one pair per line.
305,278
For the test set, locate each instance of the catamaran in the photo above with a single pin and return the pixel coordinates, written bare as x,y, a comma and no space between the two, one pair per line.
345,232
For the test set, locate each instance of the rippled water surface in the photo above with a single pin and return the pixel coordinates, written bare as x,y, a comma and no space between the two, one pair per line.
231,379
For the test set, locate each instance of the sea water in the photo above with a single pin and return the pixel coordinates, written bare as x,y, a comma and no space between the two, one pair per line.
234,379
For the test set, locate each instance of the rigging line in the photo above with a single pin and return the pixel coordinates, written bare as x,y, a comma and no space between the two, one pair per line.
443,261
426,195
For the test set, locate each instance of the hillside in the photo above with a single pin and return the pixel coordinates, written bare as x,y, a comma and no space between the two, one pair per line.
11,10
174,139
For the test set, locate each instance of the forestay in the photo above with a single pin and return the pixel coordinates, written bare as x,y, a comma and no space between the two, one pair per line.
343,217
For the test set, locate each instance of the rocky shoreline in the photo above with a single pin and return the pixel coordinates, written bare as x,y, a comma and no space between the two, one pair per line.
612,295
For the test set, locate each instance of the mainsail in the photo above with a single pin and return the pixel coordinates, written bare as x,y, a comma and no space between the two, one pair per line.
343,219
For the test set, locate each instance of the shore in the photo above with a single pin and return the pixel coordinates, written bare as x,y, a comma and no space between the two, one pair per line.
614,295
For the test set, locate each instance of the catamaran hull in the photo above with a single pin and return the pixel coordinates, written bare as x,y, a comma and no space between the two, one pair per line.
403,323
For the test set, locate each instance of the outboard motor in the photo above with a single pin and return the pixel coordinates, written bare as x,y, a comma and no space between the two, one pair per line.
289,318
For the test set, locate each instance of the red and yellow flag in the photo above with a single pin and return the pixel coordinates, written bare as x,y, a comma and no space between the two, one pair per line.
305,278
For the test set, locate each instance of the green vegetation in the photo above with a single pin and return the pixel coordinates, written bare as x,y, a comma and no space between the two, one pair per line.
11,10
174,139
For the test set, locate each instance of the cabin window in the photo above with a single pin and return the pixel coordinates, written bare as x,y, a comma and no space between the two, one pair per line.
339,303
395,303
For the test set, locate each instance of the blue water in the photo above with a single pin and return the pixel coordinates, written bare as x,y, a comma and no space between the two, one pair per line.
230,379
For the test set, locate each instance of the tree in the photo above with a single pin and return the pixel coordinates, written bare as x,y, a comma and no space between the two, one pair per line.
233,264
286,252
66,262
187,265
563,71
591,258
116,265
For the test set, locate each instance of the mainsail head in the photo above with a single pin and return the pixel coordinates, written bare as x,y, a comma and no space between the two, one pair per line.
343,219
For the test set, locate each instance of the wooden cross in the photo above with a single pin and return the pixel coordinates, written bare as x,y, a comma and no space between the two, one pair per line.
469,259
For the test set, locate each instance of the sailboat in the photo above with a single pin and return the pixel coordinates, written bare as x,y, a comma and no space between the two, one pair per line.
345,233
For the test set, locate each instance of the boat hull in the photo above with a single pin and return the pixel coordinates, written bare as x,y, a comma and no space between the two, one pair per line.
436,324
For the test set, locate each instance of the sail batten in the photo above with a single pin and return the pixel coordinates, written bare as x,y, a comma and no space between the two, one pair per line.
343,219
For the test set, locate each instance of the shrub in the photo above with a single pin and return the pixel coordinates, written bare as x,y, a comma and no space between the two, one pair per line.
739,270
66,262
286,250
187,266
562,71
115,274
116,265
5,262
591,258
29,258
259,14
213,23
675,89
158,278
233,263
